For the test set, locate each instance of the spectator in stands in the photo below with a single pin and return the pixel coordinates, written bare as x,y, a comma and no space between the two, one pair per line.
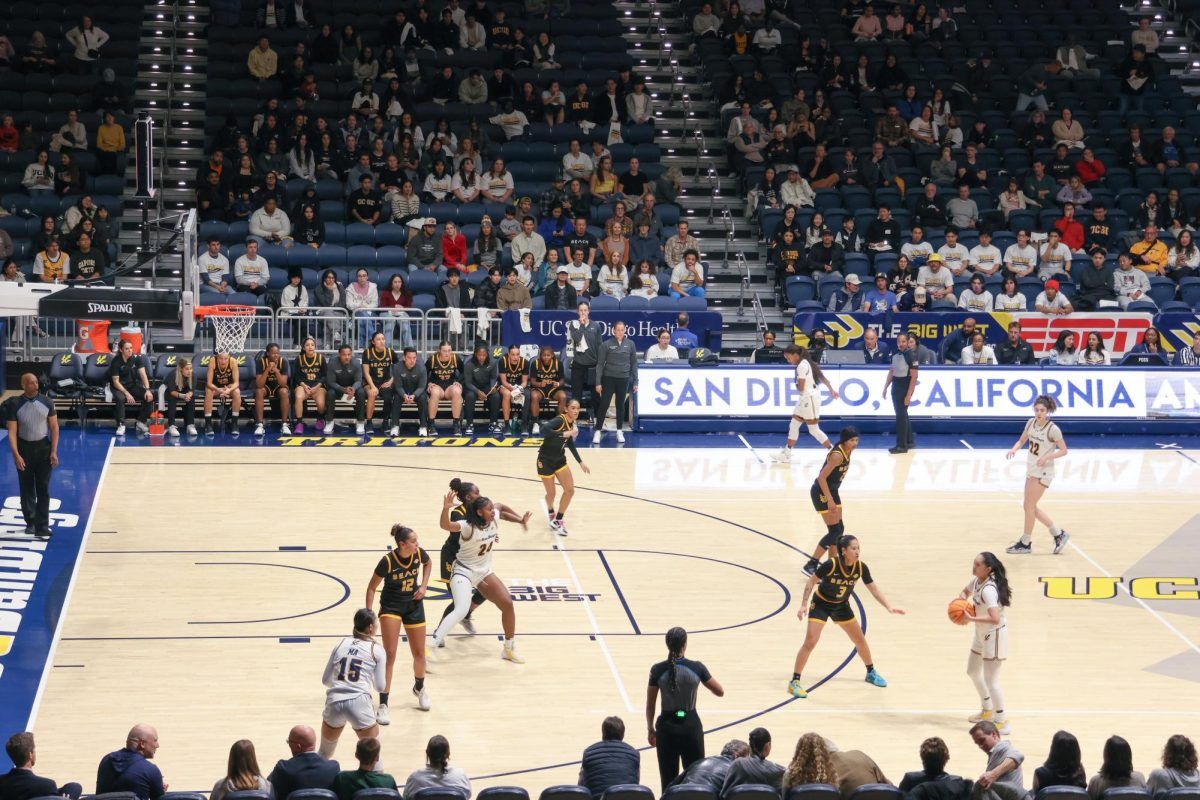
497,184
1077,195
711,772
263,62
1094,286
849,173
826,259
361,296
129,769
754,768
943,172
251,272
20,783
1063,766
1149,254
367,776
87,39
52,264
1134,153
812,232
976,299
610,761
1099,234
454,293
579,273
1052,301
985,258
955,254
880,299
87,262
242,773
1117,769
1014,349
1178,765
916,248
680,243
1146,36
936,279
1093,354
1169,153
39,55
454,248
1054,258
846,299
854,768
924,132
1067,130
110,144
437,773
1137,76
977,352
1004,760
879,171
1090,169
405,205
972,172
214,267
934,755
424,247
1040,189
1070,230
1020,259
883,234
820,174
514,294
1150,212
576,163
956,340
962,210
1129,284
1175,213
1183,259
561,295
1032,85
528,241
269,225
644,281
306,769
891,128
39,175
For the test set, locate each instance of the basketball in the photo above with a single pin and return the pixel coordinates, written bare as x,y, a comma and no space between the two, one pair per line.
958,610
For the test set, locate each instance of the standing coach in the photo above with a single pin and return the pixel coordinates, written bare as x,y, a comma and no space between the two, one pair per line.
33,439
902,377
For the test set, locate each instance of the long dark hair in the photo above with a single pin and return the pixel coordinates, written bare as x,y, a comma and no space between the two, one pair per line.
473,509
676,642
437,753
842,543
462,488
1118,759
804,354
1064,759
999,575
1179,753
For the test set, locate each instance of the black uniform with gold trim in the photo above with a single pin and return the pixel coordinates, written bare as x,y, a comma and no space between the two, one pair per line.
379,364
513,373
550,375
223,376
831,600
820,502
310,372
552,454
272,383
401,579
444,372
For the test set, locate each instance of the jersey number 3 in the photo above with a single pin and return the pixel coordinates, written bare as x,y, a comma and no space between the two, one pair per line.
349,669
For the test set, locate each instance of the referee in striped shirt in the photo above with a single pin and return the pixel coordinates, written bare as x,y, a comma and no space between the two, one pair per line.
33,439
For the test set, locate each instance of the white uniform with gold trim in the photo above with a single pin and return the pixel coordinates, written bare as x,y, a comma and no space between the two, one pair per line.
991,641
474,559
1043,440
808,405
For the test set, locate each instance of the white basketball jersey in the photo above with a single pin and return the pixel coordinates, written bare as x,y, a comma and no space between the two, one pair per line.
804,372
1042,440
356,667
984,596
475,553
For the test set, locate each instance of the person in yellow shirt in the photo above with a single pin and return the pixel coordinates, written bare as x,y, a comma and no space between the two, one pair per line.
263,62
110,142
52,263
1150,255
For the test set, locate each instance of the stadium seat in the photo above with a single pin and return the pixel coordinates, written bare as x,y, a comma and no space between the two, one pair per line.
814,791
751,791
1162,290
1142,305
689,791
1179,793
1062,793
435,793
1189,291
123,796
248,794
503,793
635,303
422,281
879,791
628,791
378,794
800,288
182,796
1125,793
604,303
566,792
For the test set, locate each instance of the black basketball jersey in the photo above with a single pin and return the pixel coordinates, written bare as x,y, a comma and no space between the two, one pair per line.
444,371
224,376
401,576
379,363
513,373
281,368
838,581
839,473
555,439
311,370
547,373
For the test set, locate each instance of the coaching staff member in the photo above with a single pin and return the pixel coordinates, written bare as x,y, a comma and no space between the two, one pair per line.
33,439
586,337
616,374
902,377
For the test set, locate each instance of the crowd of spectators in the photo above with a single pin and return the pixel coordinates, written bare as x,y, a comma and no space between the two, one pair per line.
613,762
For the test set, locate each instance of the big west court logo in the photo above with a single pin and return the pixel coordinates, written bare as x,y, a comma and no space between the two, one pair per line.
1107,587
408,441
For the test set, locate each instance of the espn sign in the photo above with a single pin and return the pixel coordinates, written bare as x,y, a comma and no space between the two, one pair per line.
1119,331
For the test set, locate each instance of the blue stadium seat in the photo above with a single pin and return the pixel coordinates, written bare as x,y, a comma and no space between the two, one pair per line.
809,305
503,793
878,791
1175,306
379,794
663,303
1162,290
436,793
302,256
689,791
751,791
422,281
692,304
565,792
628,791
359,233
1062,793
388,234
1189,291
635,303
604,303
813,791
800,288
1140,305
1125,793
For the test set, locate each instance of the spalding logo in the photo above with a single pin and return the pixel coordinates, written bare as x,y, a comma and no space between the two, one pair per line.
110,308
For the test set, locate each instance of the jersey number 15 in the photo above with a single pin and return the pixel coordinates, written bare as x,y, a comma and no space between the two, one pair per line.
349,669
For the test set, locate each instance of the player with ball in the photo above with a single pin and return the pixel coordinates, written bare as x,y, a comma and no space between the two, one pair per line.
988,594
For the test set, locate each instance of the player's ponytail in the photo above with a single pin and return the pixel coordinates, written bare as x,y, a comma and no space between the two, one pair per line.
999,575
805,353
842,543
401,534
437,753
364,618
1049,402
462,488
676,644
760,740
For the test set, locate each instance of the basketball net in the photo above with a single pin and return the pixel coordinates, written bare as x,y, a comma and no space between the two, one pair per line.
231,325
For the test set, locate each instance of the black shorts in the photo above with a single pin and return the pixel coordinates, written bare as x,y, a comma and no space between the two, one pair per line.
312,384
548,390
449,553
821,503
549,467
411,613
272,388
822,610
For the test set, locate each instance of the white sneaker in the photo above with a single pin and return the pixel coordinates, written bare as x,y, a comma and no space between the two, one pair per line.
120,430
537,429
1002,726
468,625
422,431
285,430
510,654
143,427
557,527
172,431
382,716
360,428
422,698
394,430
259,430
191,430
620,437
596,437
438,641
784,455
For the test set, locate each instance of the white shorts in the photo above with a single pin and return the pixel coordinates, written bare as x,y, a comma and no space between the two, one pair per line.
1044,474
991,643
358,711
474,576
807,407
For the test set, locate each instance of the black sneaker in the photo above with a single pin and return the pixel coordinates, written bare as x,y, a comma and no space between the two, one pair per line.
1019,548
456,429
1060,542
810,567
897,450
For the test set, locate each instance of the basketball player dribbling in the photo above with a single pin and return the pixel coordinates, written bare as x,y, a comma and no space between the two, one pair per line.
808,404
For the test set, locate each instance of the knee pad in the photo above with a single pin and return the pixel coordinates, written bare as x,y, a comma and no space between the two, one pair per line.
794,429
818,434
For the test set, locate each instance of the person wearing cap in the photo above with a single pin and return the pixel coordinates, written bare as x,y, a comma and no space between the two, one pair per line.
424,247
826,259
916,301
937,281
796,191
880,299
554,196
846,299
560,295
1051,301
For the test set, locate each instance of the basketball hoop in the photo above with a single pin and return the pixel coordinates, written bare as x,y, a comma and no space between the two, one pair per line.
231,325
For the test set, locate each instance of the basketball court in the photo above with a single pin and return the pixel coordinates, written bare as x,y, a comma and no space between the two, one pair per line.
214,581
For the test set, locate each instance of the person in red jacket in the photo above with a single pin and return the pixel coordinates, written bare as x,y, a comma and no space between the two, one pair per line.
1070,228
9,135
1090,169
454,248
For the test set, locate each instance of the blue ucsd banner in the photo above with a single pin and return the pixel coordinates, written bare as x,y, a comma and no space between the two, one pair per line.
550,327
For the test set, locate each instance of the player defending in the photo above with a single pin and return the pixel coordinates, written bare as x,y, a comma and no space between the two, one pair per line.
353,674
808,404
1046,445
826,494
404,573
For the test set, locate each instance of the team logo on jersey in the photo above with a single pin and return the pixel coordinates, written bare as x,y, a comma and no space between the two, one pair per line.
1106,587
407,441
